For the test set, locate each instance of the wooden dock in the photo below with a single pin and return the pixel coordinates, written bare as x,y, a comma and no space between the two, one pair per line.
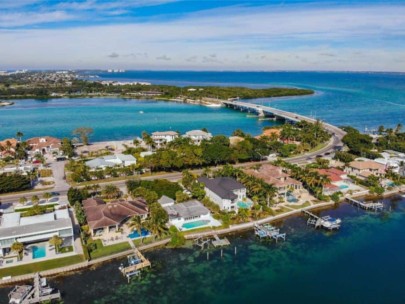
268,231
217,242
136,262
366,206
325,222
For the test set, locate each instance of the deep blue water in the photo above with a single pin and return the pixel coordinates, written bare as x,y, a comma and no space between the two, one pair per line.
357,99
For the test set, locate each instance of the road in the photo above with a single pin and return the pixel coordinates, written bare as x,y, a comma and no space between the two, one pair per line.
337,134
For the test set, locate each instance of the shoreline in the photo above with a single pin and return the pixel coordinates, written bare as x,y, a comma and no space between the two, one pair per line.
72,269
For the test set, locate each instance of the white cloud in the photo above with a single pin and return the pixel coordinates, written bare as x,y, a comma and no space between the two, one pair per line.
314,39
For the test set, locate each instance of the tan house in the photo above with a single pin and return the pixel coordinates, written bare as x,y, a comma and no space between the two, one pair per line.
275,176
106,217
7,147
363,169
44,145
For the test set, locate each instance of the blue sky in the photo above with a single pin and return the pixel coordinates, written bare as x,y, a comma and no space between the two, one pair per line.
203,35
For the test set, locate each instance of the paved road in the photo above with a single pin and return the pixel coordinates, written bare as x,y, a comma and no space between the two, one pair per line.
337,134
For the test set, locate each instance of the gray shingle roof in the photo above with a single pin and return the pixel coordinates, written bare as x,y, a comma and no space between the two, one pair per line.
222,186
192,208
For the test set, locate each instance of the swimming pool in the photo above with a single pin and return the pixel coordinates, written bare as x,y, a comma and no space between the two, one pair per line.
343,186
244,205
195,224
38,252
135,234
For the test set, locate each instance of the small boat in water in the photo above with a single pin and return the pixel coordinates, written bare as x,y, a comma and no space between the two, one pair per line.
141,112
213,105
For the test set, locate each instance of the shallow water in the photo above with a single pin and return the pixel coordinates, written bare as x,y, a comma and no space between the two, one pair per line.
363,262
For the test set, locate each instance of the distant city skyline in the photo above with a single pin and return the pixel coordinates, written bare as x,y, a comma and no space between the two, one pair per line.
203,35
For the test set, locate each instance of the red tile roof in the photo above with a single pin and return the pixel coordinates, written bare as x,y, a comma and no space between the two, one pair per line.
44,142
100,214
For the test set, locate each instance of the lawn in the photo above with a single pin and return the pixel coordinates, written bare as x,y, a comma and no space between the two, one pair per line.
299,206
102,251
41,266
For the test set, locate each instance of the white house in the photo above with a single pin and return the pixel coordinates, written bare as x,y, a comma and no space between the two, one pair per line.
226,192
197,136
164,137
34,229
122,160
190,215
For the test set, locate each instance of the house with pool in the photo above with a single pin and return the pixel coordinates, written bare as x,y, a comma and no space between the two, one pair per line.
226,192
106,219
190,215
34,232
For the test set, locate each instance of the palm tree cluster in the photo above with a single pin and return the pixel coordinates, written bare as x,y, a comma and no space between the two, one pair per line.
311,179
155,223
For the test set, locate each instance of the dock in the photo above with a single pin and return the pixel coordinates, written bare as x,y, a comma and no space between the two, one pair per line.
326,222
268,231
366,205
136,262
217,242
38,293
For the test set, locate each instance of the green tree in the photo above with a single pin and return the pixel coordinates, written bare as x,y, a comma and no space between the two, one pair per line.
83,133
47,196
19,135
76,195
181,197
18,248
177,238
111,191
35,199
22,200
67,147
56,241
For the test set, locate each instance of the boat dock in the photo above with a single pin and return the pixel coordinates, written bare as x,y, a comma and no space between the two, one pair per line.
38,293
268,231
326,222
136,262
217,242
366,206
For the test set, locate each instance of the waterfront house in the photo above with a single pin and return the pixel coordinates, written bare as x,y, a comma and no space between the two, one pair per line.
34,229
190,215
197,136
226,192
393,160
44,145
7,147
338,180
363,169
122,160
107,217
164,137
275,176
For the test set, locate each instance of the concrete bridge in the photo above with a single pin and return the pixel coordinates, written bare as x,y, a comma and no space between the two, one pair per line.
265,111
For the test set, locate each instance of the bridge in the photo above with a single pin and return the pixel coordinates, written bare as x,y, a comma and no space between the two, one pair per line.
265,111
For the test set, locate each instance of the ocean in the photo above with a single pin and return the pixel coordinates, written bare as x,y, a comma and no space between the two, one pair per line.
361,100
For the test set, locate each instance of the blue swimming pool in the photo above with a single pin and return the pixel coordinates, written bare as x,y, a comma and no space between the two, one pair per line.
195,224
38,252
244,205
135,234
343,186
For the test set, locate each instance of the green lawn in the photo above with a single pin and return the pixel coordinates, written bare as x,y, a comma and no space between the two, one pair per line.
103,251
299,206
41,266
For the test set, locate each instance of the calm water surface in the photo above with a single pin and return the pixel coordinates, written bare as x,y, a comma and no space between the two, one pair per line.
363,262
357,99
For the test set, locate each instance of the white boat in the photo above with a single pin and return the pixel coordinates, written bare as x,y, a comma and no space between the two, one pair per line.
141,112
19,293
214,105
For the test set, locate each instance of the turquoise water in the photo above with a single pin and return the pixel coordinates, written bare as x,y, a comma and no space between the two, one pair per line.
343,187
195,224
135,234
244,205
357,99
38,252
363,262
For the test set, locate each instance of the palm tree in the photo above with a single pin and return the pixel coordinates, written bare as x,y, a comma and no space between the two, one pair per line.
19,135
398,128
56,241
111,191
47,196
22,200
18,248
135,223
35,199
